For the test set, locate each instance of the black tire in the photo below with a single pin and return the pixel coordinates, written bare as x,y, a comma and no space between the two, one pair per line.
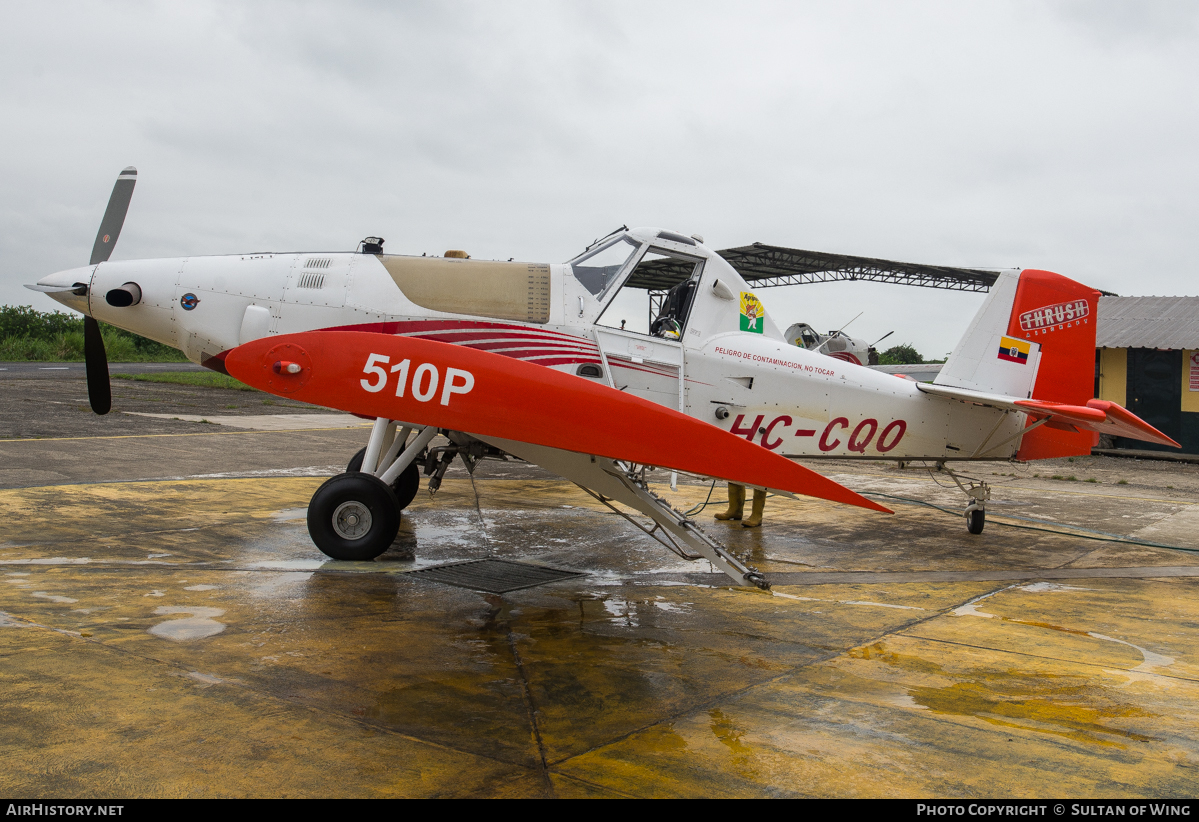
353,517
975,520
405,486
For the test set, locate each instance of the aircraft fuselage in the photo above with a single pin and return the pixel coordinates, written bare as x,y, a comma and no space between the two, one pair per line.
726,362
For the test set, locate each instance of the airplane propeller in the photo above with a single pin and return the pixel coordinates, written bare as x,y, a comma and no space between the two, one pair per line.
99,387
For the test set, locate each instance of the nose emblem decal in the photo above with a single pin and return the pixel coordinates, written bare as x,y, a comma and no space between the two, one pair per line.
189,301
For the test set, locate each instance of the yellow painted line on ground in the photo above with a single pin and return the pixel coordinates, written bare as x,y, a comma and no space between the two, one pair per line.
197,434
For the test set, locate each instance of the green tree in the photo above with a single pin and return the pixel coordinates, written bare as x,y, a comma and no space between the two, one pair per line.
904,354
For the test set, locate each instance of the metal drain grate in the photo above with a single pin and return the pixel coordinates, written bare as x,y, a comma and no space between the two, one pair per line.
495,576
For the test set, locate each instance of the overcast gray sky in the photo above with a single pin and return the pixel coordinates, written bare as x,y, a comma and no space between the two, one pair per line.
1057,135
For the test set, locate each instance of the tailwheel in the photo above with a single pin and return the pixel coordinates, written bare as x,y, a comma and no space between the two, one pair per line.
353,517
405,486
976,518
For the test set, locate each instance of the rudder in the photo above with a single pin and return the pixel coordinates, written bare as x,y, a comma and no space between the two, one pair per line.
1034,337
1059,314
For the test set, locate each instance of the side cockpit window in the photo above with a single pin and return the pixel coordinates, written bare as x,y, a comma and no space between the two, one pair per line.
655,298
597,269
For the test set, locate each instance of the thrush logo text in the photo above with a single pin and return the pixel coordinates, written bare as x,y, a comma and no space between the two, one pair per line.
1055,317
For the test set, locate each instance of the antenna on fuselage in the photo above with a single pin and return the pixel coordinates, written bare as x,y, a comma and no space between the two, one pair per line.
596,242
842,328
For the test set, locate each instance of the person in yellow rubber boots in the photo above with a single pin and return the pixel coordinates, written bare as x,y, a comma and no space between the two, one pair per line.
737,506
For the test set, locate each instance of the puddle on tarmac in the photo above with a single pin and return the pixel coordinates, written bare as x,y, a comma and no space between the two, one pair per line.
278,585
290,514
201,587
6,621
1150,660
52,597
292,564
198,625
865,602
205,679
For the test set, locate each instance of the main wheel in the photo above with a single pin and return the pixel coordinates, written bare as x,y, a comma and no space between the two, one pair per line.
405,486
353,517
975,520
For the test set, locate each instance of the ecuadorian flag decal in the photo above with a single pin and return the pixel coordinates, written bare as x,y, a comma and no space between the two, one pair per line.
752,313
1014,350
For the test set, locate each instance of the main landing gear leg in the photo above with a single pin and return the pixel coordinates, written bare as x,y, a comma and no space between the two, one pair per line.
355,515
978,493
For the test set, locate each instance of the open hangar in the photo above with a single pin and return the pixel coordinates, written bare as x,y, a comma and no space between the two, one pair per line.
169,630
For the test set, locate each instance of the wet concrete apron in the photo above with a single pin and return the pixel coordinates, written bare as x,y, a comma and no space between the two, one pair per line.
184,638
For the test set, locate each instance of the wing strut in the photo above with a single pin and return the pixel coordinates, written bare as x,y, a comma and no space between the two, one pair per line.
611,481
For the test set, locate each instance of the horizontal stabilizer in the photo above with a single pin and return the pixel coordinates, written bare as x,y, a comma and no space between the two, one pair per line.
425,382
1099,416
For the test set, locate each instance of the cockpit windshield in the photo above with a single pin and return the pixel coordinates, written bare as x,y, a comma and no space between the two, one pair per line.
598,268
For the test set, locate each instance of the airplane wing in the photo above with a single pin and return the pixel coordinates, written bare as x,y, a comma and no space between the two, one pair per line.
1101,416
425,382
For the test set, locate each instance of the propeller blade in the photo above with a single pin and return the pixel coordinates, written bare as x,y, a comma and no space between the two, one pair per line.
99,391
114,218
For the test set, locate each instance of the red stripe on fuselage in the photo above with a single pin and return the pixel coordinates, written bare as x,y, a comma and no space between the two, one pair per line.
534,345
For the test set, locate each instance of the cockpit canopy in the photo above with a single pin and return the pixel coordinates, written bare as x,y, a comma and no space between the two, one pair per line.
597,268
654,273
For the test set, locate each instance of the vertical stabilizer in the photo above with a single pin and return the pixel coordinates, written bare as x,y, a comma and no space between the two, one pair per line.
1034,337
989,357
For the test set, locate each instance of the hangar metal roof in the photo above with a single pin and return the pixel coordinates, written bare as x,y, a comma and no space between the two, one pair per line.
1148,322
763,266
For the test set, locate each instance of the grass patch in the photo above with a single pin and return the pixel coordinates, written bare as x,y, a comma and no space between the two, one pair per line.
1092,479
1070,478
202,379
28,335
1122,482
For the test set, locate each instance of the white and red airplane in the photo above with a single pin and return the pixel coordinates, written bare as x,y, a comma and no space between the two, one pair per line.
542,362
